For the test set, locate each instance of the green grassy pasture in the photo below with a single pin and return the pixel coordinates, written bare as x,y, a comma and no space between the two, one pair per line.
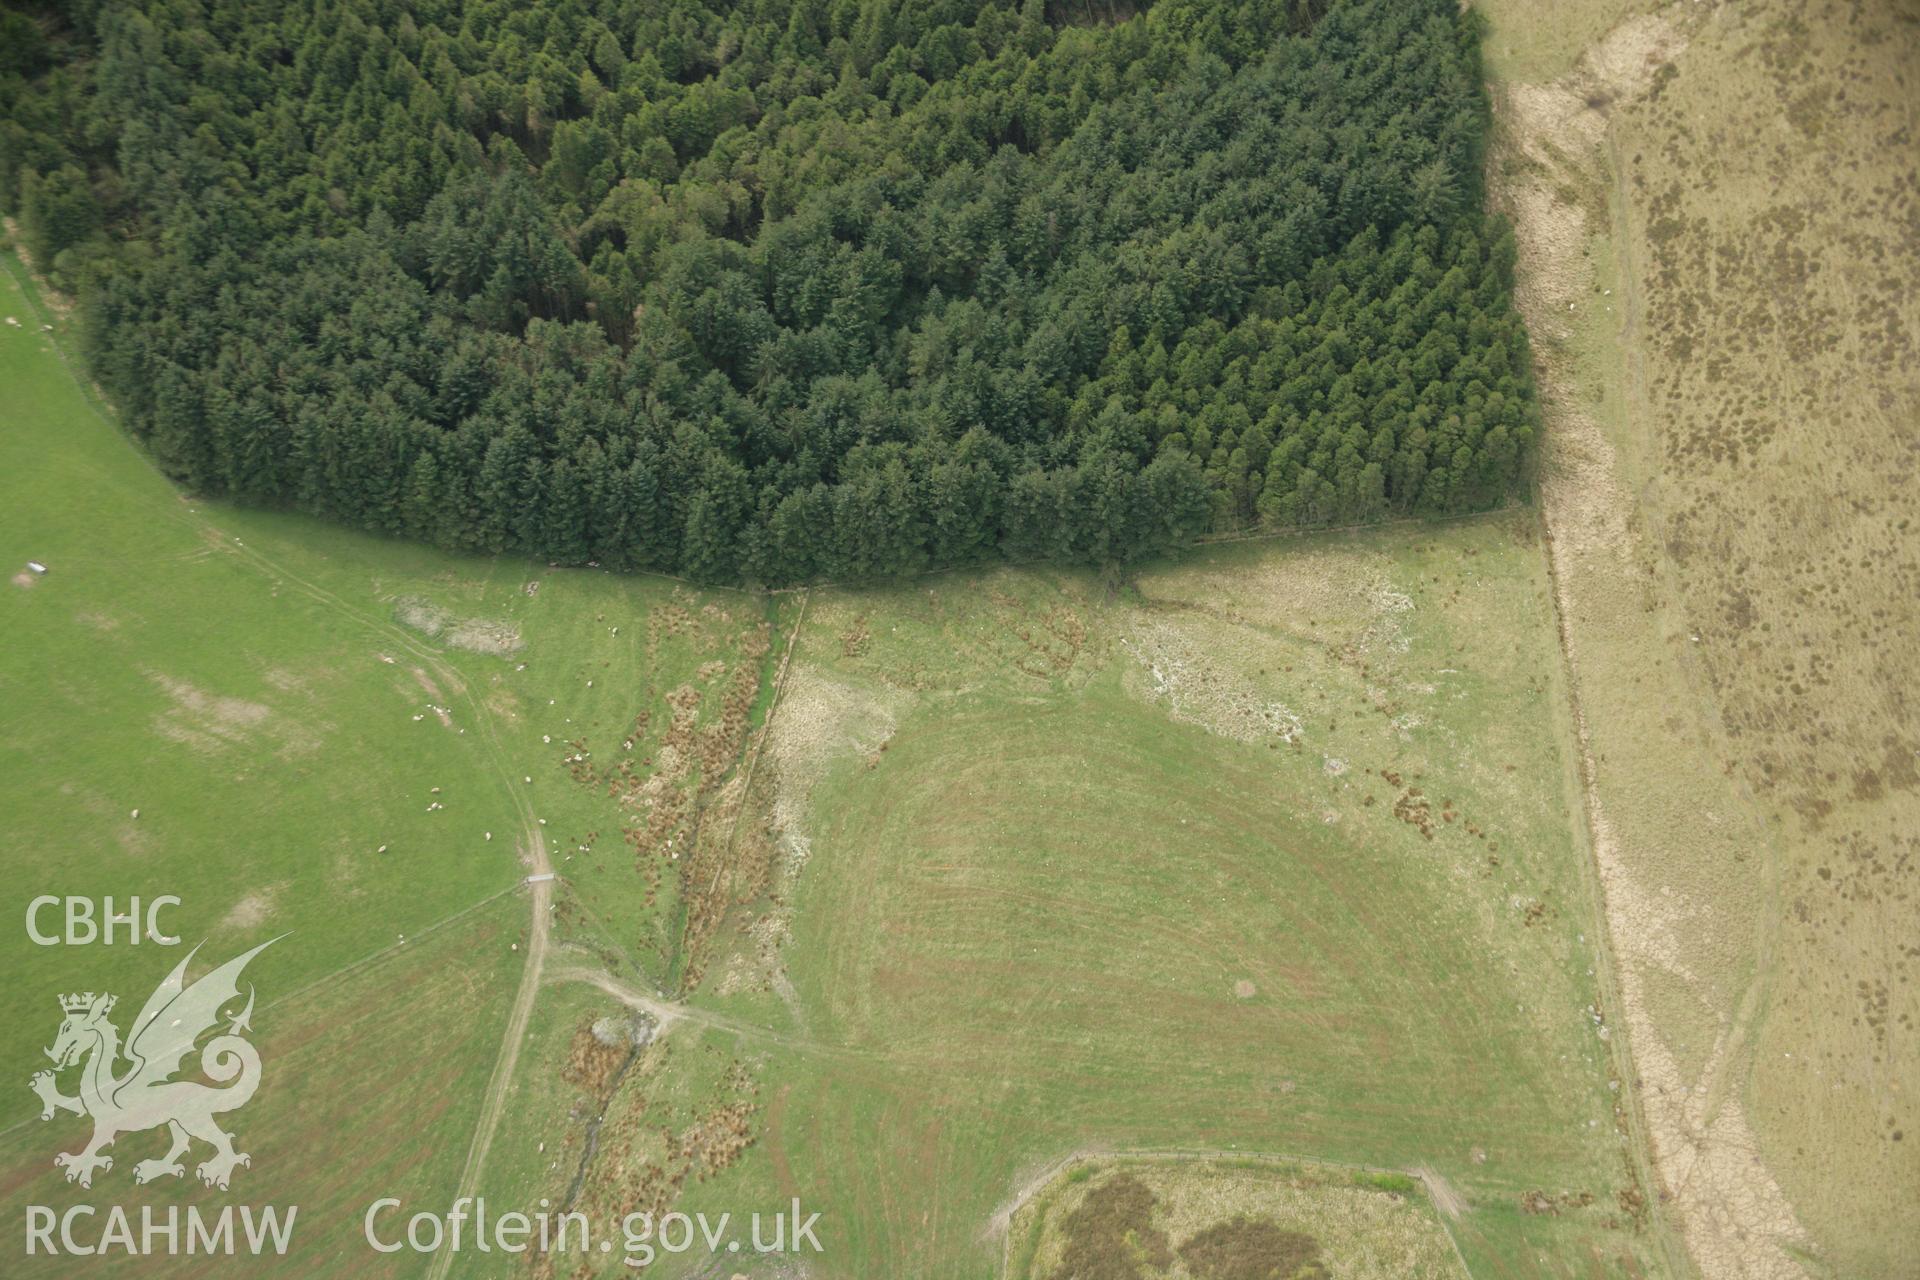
1268,854
327,735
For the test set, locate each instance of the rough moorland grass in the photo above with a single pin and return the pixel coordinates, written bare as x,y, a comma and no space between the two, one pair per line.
1726,323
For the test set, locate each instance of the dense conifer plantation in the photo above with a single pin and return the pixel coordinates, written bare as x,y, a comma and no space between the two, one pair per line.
785,289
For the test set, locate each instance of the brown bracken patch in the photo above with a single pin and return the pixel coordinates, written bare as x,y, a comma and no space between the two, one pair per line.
1252,1249
1111,1235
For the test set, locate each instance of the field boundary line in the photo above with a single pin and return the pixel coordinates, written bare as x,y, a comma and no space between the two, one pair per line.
1665,1224
760,738
1606,975
1170,554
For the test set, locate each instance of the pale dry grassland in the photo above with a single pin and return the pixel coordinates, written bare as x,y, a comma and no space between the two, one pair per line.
1719,223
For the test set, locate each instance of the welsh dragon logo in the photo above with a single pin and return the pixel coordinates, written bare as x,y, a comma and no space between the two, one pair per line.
144,1094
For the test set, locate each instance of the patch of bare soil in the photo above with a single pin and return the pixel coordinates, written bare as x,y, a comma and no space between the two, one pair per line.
475,635
1205,660
818,723
132,839
822,722
210,722
252,911
483,635
1177,672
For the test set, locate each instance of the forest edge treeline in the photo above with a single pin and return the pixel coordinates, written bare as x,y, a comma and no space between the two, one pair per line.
783,291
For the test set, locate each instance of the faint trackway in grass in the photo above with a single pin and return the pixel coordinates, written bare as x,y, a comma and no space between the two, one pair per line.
541,883
501,1080
669,1012
1558,523
533,846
